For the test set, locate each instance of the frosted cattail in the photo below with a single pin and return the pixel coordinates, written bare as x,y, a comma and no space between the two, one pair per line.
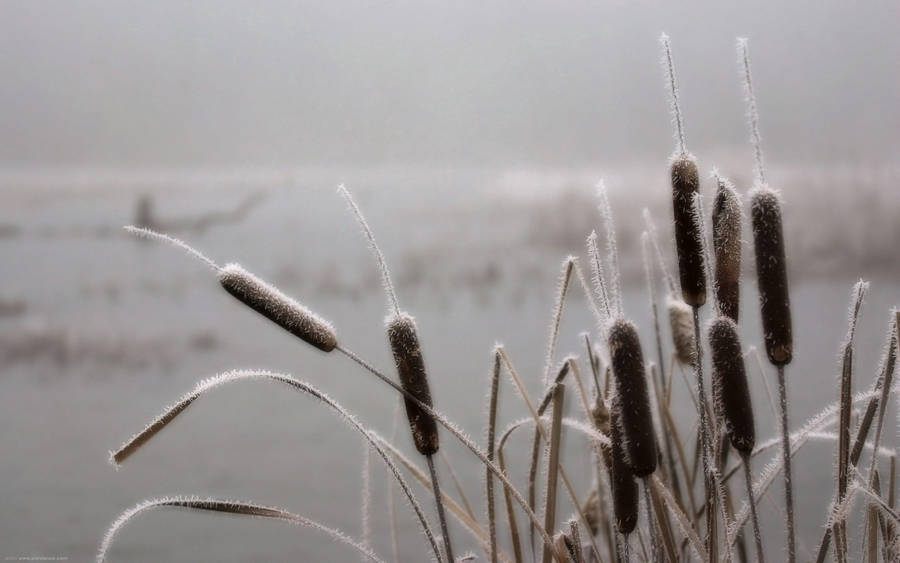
726,225
404,340
635,418
771,272
681,322
624,487
729,384
688,244
270,302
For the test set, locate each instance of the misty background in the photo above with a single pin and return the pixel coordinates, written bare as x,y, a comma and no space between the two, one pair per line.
312,84
473,137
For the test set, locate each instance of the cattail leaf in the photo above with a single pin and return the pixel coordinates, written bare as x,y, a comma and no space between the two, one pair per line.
228,507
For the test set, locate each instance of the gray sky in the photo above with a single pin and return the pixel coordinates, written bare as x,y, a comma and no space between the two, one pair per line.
229,83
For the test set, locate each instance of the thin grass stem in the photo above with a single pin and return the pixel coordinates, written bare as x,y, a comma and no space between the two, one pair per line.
379,257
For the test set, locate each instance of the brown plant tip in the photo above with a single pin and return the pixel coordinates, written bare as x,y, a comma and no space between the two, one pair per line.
726,226
633,401
771,272
404,341
691,270
271,303
681,322
624,487
729,384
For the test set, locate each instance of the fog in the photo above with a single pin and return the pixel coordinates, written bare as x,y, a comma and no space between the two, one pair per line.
211,84
473,137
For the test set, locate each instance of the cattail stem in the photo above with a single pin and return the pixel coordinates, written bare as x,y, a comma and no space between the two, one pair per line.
705,446
553,466
786,454
379,257
392,505
612,249
752,111
465,441
655,549
491,448
436,488
757,537
673,91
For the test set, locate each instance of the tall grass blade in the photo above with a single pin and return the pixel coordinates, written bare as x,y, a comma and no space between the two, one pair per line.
228,507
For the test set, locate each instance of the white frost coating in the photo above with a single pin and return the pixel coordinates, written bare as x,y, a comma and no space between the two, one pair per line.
672,85
752,111
767,475
597,277
589,295
612,250
681,324
654,238
697,208
366,498
150,234
558,307
242,375
379,257
228,507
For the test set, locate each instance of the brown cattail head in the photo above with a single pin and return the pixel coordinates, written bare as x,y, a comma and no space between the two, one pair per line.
270,302
681,321
624,487
688,244
635,417
771,272
726,225
404,340
729,384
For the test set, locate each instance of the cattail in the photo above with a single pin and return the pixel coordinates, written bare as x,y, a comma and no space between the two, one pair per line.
635,417
726,225
685,183
771,271
681,322
729,384
624,487
270,302
404,340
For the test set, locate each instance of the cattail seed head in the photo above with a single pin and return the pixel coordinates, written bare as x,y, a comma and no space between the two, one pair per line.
686,183
681,322
270,302
624,487
729,384
635,417
726,225
404,341
771,272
